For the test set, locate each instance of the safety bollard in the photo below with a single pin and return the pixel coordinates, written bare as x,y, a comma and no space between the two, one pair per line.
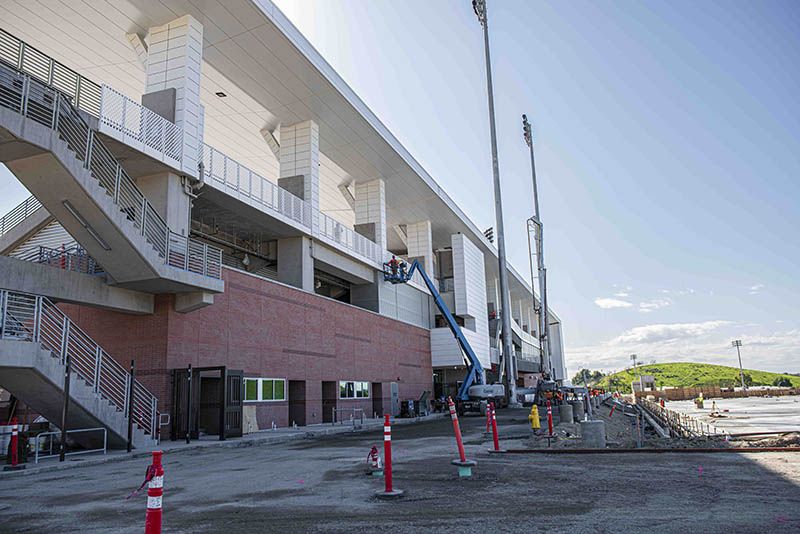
464,465
155,490
489,417
494,432
550,418
389,492
15,465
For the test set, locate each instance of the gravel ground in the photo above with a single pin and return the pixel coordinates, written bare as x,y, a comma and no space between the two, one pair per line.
319,486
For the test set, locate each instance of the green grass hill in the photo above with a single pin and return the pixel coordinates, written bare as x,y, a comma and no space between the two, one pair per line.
693,375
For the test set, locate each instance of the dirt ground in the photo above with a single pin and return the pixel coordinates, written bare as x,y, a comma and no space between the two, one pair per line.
319,486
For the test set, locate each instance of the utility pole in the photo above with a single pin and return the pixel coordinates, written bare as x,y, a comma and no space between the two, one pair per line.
738,343
535,224
636,372
479,6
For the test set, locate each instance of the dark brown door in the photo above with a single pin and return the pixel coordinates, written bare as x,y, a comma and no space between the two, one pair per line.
233,403
297,402
377,399
328,401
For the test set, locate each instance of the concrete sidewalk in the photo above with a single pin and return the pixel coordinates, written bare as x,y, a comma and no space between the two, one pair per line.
263,437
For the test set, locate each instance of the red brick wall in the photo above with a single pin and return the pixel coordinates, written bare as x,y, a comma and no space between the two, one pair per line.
267,330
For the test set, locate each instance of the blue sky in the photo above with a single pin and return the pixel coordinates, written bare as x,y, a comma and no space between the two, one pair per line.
668,152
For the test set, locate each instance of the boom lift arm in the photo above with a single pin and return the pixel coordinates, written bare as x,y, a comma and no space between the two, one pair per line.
394,271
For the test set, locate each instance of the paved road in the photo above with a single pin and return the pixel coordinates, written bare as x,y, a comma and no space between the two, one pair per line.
319,486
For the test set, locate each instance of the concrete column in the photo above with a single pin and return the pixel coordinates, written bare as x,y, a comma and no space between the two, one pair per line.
420,244
593,434
174,62
526,318
371,211
516,311
493,293
295,263
299,166
166,194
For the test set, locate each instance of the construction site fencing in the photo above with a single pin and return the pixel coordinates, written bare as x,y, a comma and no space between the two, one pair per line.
49,107
18,213
221,169
677,424
356,414
35,319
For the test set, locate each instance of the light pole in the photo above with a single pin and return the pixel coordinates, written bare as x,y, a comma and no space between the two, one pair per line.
535,224
636,372
479,6
738,343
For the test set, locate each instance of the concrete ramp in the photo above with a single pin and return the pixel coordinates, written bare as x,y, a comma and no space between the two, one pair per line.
36,342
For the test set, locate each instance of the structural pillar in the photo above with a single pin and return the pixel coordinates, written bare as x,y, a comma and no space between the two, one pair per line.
299,167
172,84
295,263
371,211
420,245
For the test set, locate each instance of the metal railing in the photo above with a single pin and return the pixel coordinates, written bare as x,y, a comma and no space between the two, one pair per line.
221,169
140,128
33,318
36,447
349,238
353,412
74,259
18,213
678,424
85,94
49,107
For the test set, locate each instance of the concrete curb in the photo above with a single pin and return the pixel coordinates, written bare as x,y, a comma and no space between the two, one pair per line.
236,443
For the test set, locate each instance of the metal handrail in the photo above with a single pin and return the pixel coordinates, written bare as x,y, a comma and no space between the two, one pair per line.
135,125
34,318
349,238
222,169
83,92
36,454
18,213
74,259
48,106
334,410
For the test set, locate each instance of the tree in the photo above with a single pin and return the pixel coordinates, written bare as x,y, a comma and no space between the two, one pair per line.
783,382
592,376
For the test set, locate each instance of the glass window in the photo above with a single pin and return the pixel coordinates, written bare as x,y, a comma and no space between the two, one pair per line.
351,389
267,389
251,389
264,389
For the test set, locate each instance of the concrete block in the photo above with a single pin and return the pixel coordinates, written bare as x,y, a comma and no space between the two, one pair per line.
593,434
189,302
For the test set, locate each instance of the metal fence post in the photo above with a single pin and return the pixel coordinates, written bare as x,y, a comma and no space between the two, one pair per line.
56,110
98,364
37,318
23,105
3,305
64,410
154,418
64,339
144,213
117,180
131,391
89,141
205,259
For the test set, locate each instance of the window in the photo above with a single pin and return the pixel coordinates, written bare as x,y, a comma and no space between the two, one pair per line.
353,390
264,389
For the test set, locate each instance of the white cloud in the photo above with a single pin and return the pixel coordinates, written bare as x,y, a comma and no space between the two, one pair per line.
707,342
655,304
754,290
608,304
666,332
621,294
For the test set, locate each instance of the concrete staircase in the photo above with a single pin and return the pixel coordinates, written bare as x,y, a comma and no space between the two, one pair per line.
50,148
38,342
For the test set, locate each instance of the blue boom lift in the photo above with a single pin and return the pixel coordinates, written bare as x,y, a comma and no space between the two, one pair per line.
473,392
